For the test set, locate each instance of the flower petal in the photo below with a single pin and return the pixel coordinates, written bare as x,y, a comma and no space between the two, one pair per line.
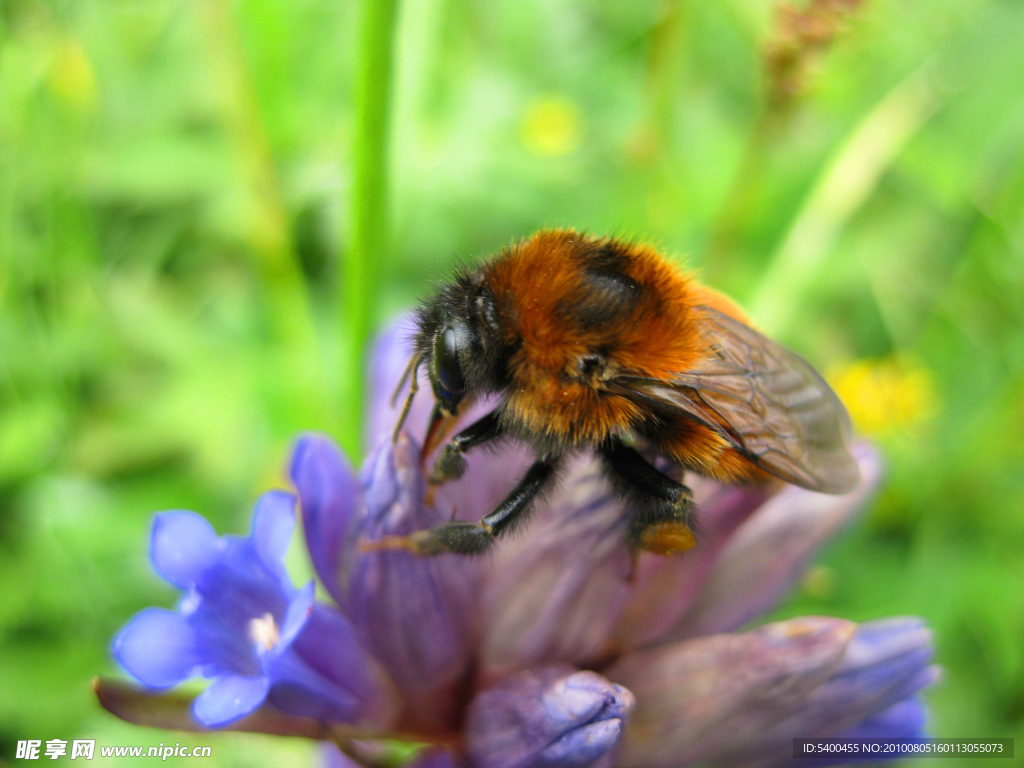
329,675
158,648
332,757
229,698
437,757
553,717
885,663
413,612
699,697
330,646
389,359
299,610
181,545
272,523
430,757
555,595
328,497
905,720
769,552
665,588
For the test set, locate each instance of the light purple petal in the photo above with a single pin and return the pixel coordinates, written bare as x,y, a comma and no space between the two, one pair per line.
182,544
228,698
491,472
158,648
699,697
665,588
555,594
388,360
272,523
885,663
430,757
328,497
871,694
770,551
437,757
413,612
552,717
332,757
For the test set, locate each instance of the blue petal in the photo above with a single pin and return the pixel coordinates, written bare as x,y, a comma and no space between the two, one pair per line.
272,524
295,618
328,497
905,720
182,545
235,589
229,698
298,689
328,644
158,648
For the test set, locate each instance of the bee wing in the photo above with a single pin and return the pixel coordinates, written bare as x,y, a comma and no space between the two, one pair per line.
767,401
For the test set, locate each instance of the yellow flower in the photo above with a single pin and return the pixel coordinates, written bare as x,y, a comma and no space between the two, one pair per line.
551,125
885,395
72,78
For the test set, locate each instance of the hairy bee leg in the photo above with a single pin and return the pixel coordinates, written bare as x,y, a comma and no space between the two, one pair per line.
661,521
450,463
476,538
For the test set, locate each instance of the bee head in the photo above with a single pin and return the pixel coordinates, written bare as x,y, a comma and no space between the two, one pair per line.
443,343
450,344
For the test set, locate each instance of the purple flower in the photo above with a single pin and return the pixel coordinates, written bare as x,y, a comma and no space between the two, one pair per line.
548,717
560,650
242,624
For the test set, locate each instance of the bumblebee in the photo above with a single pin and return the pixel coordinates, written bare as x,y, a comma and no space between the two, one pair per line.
604,345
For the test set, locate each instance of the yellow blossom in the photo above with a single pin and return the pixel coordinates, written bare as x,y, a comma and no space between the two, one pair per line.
71,77
551,125
885,395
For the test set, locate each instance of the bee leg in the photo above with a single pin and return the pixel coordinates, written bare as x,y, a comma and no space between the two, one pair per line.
476,538
661,521
450,463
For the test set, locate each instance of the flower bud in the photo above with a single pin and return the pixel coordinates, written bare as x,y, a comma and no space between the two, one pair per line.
553,717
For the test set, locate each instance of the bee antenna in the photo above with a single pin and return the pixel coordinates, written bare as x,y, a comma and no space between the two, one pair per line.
414,362
410,370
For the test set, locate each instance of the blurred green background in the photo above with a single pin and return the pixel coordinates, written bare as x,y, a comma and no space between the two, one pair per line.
175,204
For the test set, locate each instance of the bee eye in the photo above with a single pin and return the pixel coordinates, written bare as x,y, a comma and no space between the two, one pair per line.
446,363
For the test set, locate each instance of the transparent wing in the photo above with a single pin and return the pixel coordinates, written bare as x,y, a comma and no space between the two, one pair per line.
767,401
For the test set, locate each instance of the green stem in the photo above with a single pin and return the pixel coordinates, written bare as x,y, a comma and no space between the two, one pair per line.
741,199
368,238
289,314
845,184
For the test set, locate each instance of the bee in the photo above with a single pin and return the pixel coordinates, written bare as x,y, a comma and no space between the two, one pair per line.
604,345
